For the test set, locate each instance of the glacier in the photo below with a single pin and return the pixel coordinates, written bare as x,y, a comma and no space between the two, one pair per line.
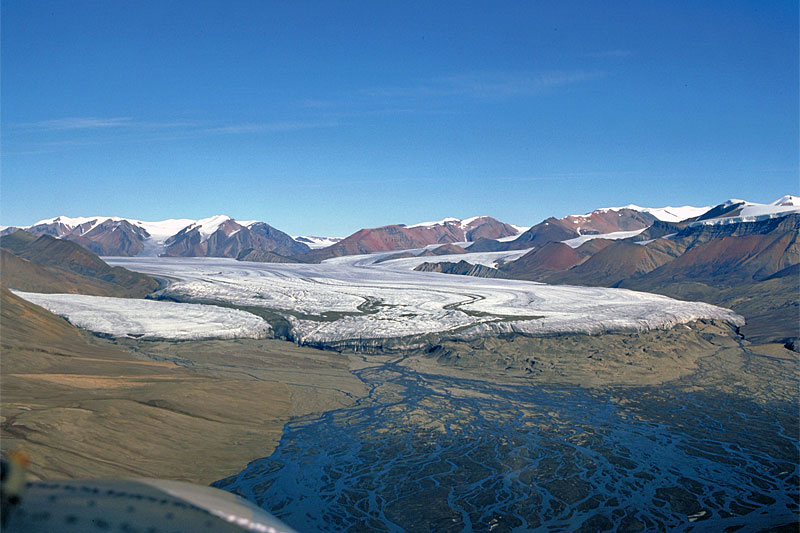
149,319
355,302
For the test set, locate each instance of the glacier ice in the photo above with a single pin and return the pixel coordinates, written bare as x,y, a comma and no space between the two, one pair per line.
353,299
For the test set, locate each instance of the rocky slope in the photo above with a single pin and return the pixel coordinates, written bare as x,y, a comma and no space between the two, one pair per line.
402,237
461,268
553,229
230,239
718,263
48,264
259,256
217,236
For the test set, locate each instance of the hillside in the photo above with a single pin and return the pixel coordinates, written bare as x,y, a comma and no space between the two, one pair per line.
76,403
611,265
552,257
748,266
402,237
51,265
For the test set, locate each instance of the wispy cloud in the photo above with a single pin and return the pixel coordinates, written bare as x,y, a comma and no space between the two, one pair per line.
486,85
616,52
47,136
103,123
269,127
78,123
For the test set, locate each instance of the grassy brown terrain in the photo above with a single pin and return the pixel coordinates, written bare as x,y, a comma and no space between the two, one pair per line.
50,265
21,274
82,406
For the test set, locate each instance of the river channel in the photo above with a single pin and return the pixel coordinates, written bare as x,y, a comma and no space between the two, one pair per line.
427,452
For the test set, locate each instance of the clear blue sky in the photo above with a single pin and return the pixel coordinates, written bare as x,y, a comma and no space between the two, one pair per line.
325,117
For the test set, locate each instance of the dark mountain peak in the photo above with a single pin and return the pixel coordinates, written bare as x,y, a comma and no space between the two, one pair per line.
731,208
17,240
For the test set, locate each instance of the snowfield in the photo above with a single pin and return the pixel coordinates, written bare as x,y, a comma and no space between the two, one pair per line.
126,317
577,241
350,301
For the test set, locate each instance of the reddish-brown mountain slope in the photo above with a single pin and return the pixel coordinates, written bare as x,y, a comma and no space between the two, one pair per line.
613,264
552,257
596,222
445,249
730,259
589,248
401,237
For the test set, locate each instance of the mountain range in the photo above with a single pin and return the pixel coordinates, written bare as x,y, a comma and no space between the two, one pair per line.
738,254
223,236
217,236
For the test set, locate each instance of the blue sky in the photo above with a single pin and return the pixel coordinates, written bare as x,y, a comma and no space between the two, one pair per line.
325,117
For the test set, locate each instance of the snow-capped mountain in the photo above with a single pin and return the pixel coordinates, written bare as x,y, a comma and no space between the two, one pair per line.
665,214
734,211
474,228
223,236
217,236
624,222
402,237
600,221
314,242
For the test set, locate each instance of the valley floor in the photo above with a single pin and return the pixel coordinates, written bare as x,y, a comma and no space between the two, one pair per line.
84,406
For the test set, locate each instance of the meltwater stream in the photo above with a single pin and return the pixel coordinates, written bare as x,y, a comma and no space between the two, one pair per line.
433,453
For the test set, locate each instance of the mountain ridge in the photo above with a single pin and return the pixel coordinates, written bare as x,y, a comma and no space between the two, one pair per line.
224,236
51,265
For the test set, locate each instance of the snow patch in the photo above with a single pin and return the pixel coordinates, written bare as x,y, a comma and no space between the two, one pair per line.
208,226
316,242
149,319
577,241
753,212
787,200
470,220
448,220
665,214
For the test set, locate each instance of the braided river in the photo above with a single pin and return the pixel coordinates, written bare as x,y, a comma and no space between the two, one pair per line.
426,452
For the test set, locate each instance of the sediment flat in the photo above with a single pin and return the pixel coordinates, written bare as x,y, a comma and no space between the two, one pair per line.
87,406
84,406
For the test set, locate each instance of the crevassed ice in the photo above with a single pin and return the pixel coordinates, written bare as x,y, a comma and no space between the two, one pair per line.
121,317
353,298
